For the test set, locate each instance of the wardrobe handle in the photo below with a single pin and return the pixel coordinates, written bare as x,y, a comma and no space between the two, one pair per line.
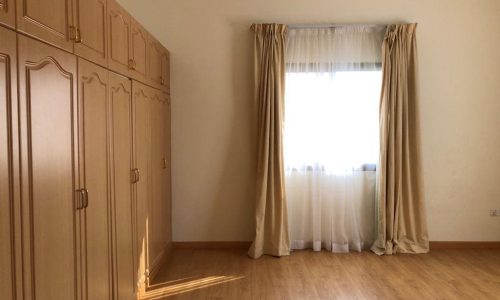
72,33
134,175
164,163
85,198
79,199
137,175
78,36
131,64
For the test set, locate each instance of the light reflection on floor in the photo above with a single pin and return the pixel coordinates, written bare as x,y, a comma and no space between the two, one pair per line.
176,287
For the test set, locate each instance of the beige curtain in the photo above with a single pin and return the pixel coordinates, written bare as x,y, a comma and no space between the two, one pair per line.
271,236
402,226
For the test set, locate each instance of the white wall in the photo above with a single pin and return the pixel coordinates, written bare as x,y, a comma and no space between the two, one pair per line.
213,118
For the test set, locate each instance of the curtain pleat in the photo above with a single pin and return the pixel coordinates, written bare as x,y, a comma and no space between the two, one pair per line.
271,233
401,226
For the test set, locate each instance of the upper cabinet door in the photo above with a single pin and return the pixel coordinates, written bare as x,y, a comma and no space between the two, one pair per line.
8,98
91,30
8,13
165,70
139,51
154,68
49,171
120,28
48,20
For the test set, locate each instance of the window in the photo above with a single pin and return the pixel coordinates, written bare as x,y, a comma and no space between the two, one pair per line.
331,133
331,120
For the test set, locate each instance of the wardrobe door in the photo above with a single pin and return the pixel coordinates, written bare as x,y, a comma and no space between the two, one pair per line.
157,207
48,20
167,180
94,164
142,145
119,38
120,96
49,161
8,13
165,69
91,27
154,67
8,97
138,51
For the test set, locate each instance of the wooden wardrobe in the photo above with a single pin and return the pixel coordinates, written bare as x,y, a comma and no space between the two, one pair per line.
85,183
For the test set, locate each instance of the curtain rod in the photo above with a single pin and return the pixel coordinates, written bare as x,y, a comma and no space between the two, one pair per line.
333,25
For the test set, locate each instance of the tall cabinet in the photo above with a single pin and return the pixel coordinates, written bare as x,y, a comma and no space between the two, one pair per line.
123,176
95,213
50,183
85,192
160,169
105,171
152,156
142,161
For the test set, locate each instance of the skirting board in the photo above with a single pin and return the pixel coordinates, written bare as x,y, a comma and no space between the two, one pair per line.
212,245
246,245
160,261
464,245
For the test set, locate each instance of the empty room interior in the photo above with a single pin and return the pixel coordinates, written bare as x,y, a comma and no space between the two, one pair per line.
237,149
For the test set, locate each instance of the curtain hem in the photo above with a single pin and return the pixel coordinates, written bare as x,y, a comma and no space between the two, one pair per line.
328,246
404,247
255,253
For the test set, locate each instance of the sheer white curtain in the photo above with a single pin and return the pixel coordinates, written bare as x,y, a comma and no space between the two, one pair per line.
331,135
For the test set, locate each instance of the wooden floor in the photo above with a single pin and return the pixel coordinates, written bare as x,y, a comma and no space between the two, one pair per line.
230,274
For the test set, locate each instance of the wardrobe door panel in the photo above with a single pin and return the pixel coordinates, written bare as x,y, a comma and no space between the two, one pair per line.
165,69
139,50
142,143
91,23
119,22
8,13
8,97
120,97
154,67
93,90
48,20
167,180
48,116
157,207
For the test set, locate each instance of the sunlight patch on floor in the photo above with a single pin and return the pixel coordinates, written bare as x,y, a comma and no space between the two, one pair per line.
175,287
